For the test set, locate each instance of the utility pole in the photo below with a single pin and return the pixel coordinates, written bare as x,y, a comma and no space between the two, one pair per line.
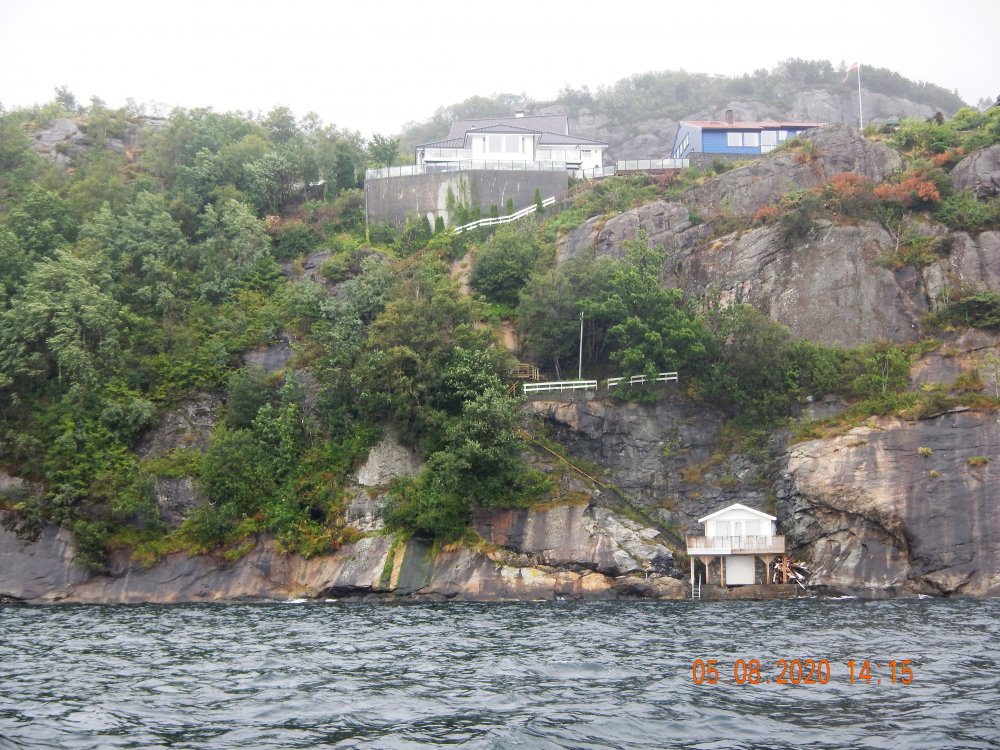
579,372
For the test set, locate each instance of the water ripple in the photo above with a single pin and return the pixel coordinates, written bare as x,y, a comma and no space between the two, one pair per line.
592,675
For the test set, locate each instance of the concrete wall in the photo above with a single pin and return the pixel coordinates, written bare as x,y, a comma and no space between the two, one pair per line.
393,198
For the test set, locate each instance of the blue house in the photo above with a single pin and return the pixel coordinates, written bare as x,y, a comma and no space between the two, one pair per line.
731,136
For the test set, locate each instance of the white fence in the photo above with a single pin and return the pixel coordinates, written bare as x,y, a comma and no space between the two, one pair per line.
561,385
663,377
591,385
492,220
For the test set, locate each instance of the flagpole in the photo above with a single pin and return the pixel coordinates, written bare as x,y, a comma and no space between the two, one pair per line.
861,117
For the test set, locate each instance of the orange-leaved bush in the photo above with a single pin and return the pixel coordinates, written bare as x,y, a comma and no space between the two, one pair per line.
913,189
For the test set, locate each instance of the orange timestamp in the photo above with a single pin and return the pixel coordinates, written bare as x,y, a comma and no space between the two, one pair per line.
799,672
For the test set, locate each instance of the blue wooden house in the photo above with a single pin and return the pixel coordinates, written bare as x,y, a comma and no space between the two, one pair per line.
731,136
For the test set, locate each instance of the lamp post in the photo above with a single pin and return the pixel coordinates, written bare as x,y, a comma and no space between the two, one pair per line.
579,372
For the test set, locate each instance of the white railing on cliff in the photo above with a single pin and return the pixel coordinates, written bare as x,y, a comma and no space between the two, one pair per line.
591,385
490,221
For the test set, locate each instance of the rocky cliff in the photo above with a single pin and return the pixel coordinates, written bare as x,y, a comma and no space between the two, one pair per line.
579,550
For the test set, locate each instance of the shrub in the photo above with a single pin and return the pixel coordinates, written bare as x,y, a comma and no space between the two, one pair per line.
962,210
977,460
924,451
914,189
765,215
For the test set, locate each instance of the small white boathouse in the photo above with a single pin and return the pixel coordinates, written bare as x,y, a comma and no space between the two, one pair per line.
734,539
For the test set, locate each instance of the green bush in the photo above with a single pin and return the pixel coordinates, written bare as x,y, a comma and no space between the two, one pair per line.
504,263
962,210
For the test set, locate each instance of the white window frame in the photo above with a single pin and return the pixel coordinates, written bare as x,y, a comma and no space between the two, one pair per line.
751,140
734,140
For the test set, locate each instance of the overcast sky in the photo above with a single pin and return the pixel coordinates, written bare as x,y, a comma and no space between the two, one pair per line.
373,66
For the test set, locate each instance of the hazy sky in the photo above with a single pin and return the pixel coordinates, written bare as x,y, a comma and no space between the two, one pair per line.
373,66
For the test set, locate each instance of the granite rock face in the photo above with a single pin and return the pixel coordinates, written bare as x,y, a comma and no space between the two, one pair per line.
584,537
899,507
837,148
829,288
589,560
979,172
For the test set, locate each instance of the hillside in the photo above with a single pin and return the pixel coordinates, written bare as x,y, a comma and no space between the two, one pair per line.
215,385
638,115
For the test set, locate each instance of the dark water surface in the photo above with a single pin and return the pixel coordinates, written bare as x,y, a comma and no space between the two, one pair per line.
555,675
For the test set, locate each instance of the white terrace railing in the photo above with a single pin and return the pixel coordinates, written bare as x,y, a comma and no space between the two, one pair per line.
725,545
493,220
591,385
663,377
464,165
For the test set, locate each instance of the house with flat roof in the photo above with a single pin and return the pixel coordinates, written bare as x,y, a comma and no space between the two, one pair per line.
734,137
538,142
734,539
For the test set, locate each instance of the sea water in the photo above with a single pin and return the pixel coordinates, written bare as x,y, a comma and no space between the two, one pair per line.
503,675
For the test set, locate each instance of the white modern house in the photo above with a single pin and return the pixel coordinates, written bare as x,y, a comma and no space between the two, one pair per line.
734,539
519,142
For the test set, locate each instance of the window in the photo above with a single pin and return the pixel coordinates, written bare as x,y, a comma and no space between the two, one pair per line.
512,144
751,139
782,135
734,140
496,143
722,528
769,138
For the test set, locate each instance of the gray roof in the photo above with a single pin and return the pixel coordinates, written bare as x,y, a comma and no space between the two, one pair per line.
504,129
555,139
553,130
453,143
534,123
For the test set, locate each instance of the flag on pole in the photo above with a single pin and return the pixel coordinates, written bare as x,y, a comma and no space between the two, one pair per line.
849,71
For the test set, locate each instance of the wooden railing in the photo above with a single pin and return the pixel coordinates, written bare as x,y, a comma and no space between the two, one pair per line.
733,544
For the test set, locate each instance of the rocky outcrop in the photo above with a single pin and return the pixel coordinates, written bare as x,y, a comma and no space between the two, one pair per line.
897,507
271,358
979,172
829,287
64,139
188,425
582,537
644,451
589,559
836,149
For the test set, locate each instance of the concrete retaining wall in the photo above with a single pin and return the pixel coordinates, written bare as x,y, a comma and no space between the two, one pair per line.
393,198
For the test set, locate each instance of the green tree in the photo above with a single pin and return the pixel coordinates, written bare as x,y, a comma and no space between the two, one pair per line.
382,151
504,263
64,324
652,327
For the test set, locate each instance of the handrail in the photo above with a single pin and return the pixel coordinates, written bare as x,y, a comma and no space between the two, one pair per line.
492,220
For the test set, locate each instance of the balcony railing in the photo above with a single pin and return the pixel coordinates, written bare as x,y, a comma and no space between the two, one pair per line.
465,166
727,545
